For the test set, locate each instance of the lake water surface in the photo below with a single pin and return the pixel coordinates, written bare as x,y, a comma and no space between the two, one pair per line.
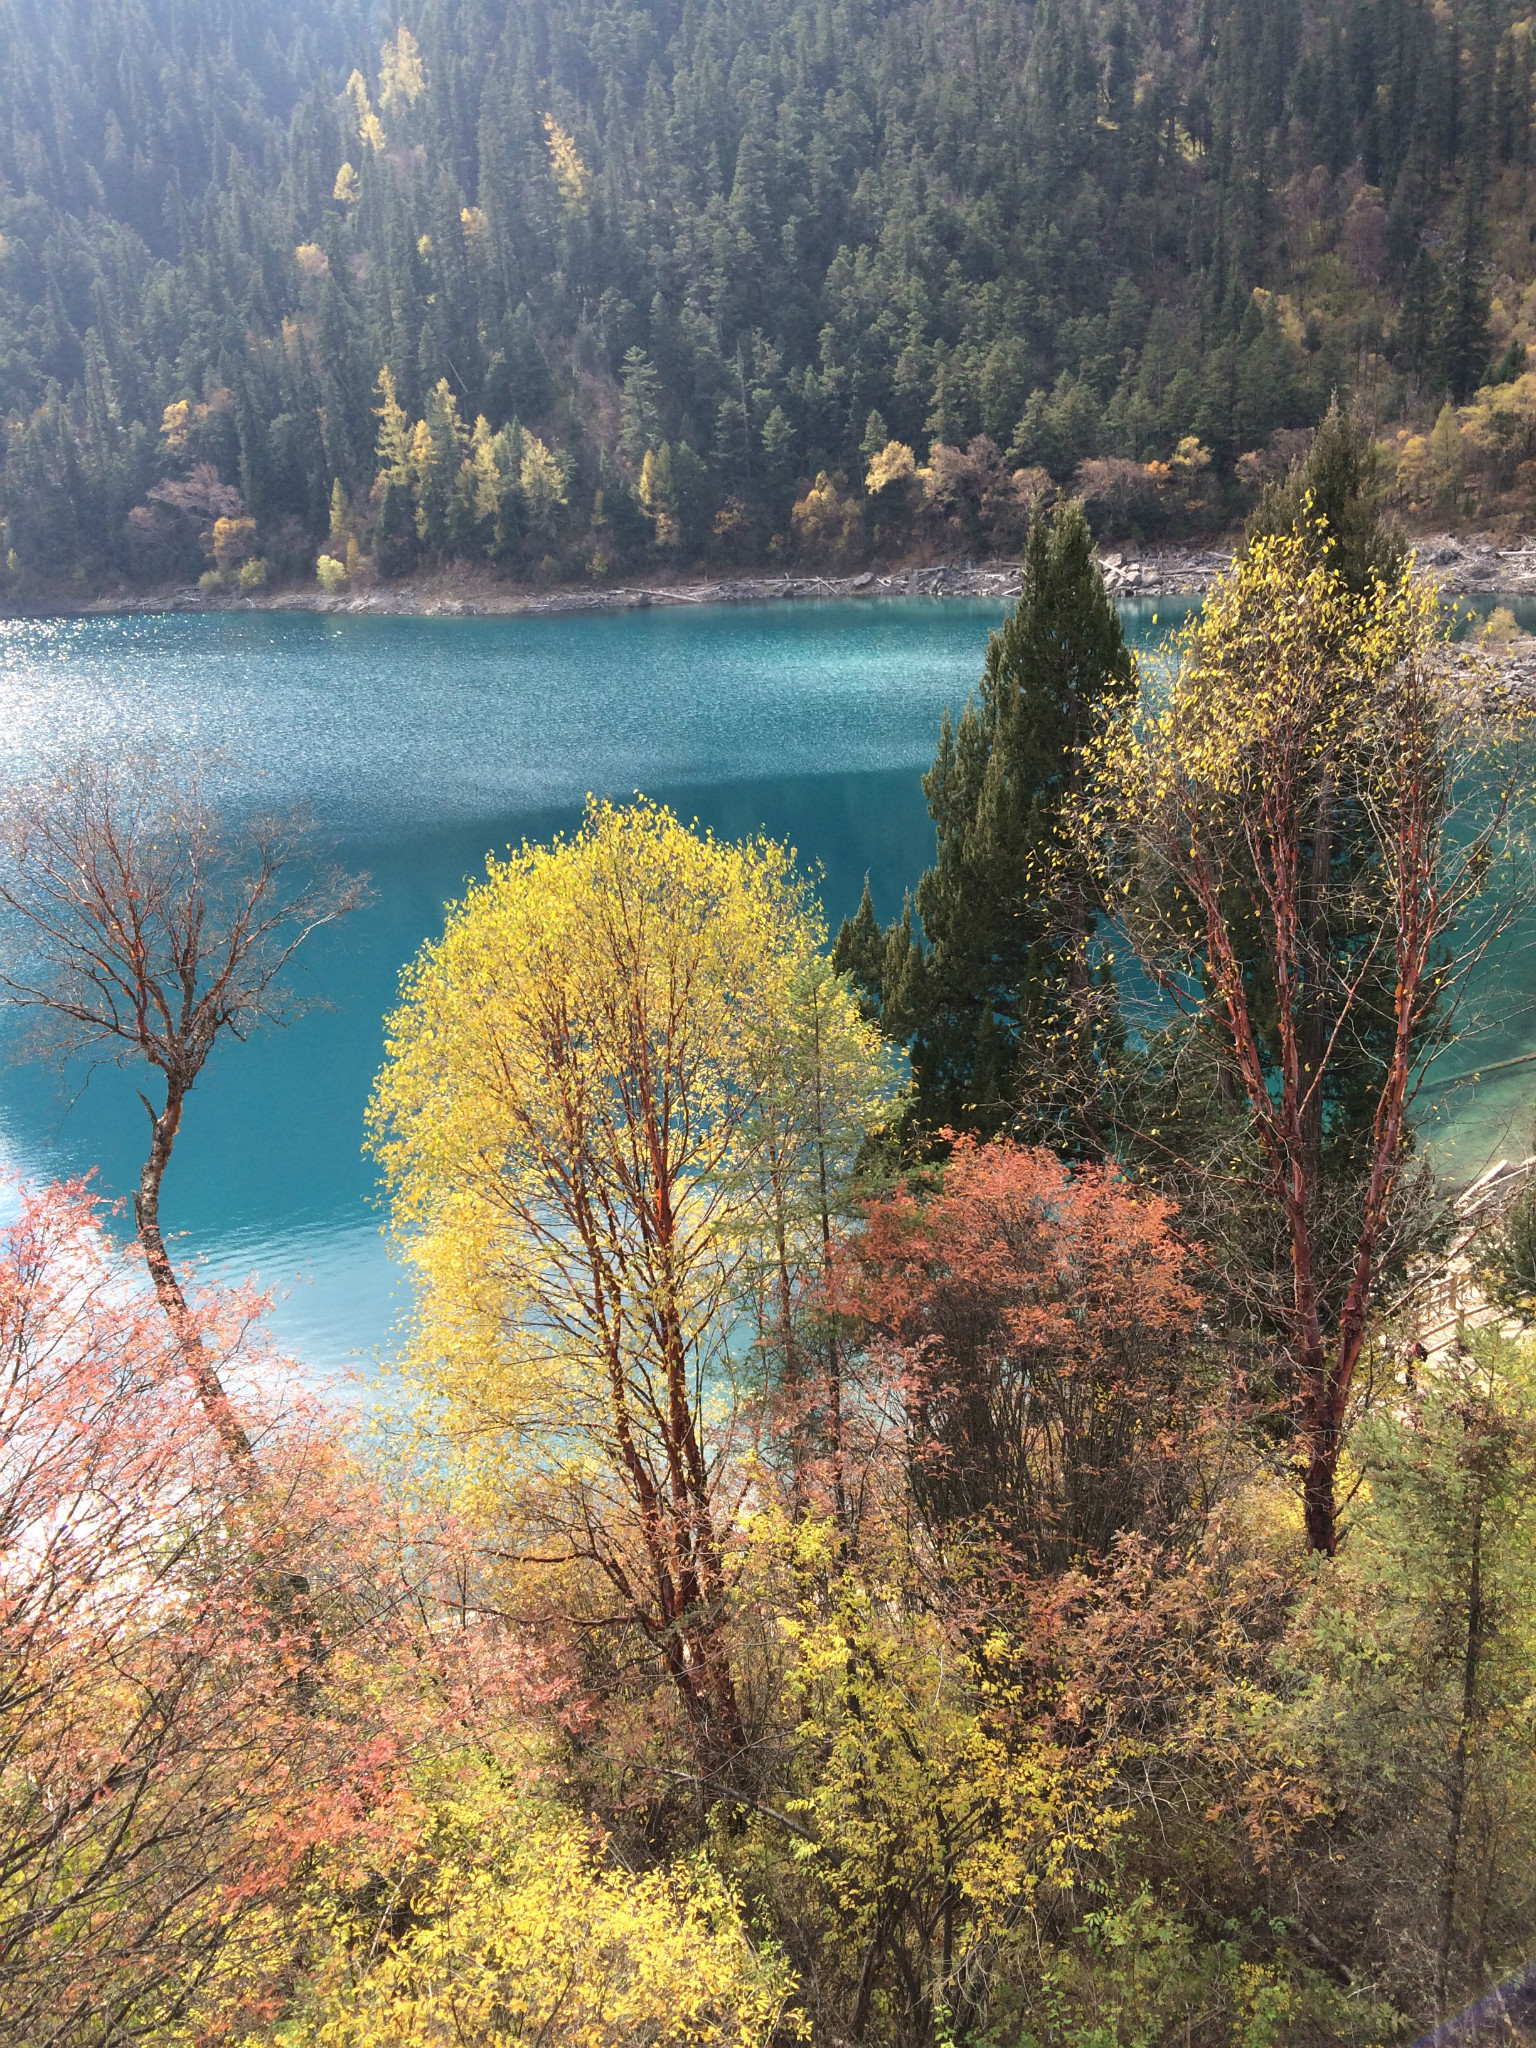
423,743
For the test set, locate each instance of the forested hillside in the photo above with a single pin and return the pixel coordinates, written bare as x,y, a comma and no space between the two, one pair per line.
571,288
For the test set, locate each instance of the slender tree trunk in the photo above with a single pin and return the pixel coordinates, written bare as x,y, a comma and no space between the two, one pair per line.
668,1535
669,1624
793,1379
700,1574
1314,1027
834,1363
146,1215
1280,1131
1318,1489
701,1578
1460,1765
287,1590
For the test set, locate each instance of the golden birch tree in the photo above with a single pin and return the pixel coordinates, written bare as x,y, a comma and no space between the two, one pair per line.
580,1118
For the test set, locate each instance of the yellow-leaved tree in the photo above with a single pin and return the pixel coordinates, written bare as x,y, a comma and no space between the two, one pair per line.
895,464
586,1125
936,1824
1312,838
394,435
402,80
541,477
511,1928
572,179
370,128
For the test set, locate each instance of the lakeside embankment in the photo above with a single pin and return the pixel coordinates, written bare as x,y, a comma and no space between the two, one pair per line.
1462,566
460,592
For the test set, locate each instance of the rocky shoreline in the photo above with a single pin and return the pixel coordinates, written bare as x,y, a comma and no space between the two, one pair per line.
1462,567
466,593
1507,673
1478,567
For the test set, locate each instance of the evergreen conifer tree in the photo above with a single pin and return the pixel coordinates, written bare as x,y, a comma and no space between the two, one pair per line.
1335,494
1462,341
998,967
396,538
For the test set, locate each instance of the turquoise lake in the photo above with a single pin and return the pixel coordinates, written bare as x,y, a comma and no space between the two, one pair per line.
423,743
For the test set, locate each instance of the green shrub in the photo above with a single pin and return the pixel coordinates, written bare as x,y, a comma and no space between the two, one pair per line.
1506,1264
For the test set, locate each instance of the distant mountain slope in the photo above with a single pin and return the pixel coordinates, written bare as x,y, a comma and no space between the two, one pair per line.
681,261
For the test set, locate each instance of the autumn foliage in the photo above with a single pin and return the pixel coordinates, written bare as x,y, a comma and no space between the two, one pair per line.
1036,1319
583,1113
153,1737
800,1593
204,1692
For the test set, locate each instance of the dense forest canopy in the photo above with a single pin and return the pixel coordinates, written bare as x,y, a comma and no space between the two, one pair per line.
699,268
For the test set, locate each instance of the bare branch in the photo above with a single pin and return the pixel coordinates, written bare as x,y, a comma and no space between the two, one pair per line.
136,928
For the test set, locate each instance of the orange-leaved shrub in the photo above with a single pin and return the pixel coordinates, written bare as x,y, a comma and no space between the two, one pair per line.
1038,1326
209,1695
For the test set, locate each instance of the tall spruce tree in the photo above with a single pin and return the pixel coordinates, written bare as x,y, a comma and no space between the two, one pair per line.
998,964
1333,495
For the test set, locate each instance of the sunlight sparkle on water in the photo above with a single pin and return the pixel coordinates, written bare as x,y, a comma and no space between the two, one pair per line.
421,744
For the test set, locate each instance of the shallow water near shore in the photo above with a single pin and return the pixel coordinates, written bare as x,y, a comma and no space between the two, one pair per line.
421,745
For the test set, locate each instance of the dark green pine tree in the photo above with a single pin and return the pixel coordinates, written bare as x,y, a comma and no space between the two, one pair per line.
1416,316
396,539
1335,495
997,973
1462,342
